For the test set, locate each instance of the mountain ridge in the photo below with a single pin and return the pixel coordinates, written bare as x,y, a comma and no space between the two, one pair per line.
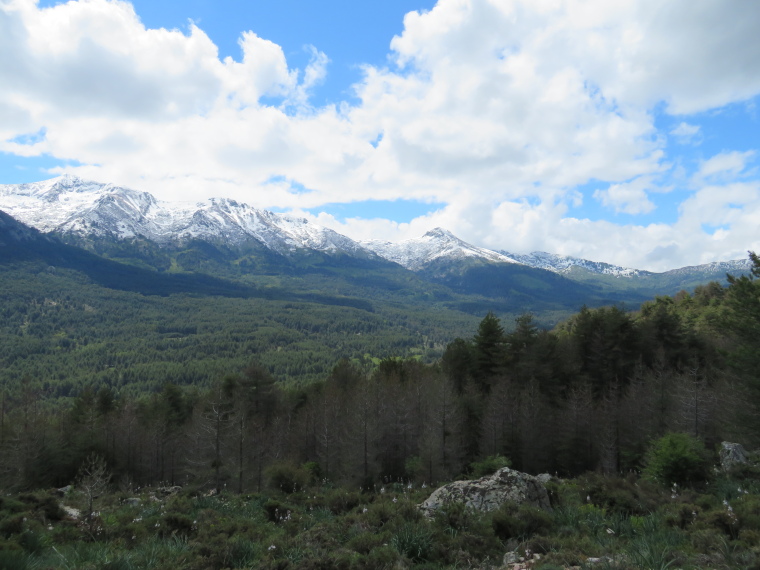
68,205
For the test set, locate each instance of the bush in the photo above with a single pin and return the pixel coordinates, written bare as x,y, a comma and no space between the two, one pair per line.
620,495
287,477
413,541
488,466
676,458
520,522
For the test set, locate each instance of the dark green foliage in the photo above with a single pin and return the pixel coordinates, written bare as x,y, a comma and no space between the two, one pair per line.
488,466
520,522
287,477
627,496
414,541
676,458
489,349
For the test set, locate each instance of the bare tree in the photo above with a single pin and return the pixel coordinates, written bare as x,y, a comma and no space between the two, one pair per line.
91,482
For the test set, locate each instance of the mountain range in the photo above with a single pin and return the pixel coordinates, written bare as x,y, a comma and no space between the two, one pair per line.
222,238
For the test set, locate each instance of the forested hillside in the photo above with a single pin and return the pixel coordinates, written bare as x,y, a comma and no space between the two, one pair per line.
590,394
67,333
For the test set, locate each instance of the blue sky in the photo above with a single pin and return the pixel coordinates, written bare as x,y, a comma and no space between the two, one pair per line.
625,132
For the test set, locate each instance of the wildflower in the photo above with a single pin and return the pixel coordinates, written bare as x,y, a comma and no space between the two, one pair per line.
382,490
424,486
395,500
610,531
364,510
272,547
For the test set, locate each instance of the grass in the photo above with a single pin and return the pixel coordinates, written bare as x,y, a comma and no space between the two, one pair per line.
338,528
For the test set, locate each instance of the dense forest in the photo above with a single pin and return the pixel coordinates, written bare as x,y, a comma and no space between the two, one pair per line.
591,394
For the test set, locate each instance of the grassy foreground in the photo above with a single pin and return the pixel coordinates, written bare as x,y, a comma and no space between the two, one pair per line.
620,522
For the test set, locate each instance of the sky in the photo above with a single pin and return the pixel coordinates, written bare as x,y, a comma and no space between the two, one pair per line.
625,131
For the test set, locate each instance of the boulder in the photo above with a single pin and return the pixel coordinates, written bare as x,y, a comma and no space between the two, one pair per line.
489,493
732,454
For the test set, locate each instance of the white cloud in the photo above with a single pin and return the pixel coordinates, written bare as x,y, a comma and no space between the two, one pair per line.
498,108
628,197
685,132
725,163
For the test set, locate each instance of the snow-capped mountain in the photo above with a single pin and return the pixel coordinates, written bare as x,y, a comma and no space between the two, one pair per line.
564,264
70,205
435,245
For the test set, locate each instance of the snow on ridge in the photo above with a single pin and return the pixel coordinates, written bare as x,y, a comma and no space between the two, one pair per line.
71,205
564,264
416,253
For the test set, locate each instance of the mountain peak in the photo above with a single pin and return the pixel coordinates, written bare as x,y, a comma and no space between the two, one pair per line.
87,208
439,232
435,245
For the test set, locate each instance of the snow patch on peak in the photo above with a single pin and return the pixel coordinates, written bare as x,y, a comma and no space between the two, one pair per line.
437,244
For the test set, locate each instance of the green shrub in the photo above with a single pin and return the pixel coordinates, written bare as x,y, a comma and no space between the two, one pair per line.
619,495
413,541
13,560
676,458
314,471
12,525
414,468
488,466
380,558
748,511
680,515
342,500
287,477
366,542
177,523
520,522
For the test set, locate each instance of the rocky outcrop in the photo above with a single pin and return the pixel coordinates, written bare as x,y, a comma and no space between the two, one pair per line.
489,493
732,454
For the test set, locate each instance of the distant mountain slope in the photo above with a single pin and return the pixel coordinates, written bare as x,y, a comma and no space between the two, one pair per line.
579,269
21,244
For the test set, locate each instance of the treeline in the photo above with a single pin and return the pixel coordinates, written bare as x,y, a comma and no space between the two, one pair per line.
589,395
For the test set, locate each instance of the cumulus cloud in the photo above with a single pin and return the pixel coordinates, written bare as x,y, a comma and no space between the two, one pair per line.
501,109
629,197
724,164
685,132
